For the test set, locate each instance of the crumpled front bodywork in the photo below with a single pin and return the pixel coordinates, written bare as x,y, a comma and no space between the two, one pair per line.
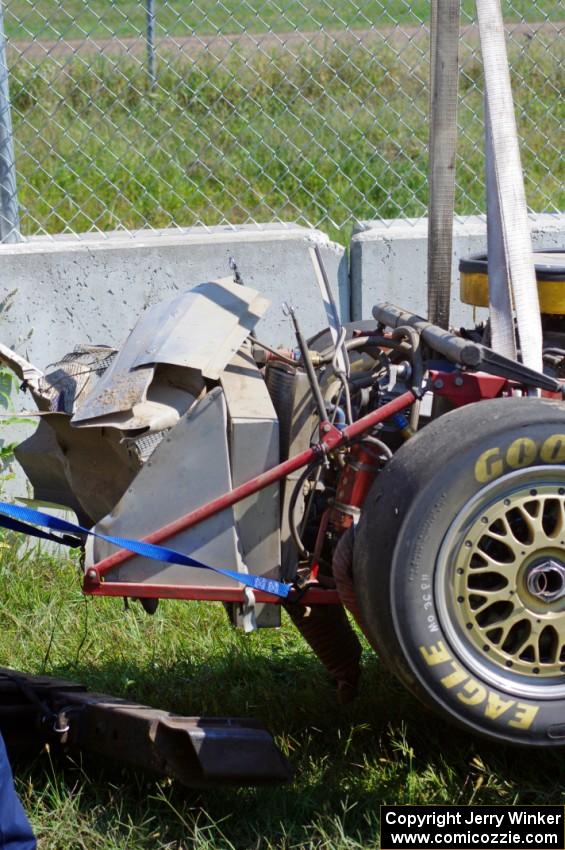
134,438
198,331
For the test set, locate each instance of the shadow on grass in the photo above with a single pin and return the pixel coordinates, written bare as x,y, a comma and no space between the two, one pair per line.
383,747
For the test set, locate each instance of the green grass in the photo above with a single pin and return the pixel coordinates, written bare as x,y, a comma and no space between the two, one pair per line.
75,19
324,142
348,760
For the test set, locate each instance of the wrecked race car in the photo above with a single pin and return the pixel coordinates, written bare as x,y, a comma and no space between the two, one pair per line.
389,467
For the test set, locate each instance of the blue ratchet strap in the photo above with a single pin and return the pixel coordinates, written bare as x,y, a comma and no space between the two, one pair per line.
14,525
19,514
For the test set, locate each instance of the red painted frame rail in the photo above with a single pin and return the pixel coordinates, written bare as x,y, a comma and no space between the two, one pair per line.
331,438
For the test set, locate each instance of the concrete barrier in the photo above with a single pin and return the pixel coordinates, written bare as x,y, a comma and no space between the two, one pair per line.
69,290
388,261
92,288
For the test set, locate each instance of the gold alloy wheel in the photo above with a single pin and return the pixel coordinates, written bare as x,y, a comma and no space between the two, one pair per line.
507,573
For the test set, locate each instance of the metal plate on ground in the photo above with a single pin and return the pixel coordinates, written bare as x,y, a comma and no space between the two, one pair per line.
196,751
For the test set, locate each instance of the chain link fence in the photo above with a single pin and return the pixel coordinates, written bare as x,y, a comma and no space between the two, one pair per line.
163,113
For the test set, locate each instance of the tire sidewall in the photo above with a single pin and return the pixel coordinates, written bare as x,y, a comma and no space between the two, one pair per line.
442,676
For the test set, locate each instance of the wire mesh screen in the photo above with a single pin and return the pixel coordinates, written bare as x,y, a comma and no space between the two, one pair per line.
166,113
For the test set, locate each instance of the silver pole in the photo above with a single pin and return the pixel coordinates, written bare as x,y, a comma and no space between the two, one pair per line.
150,35
444,71
502,336
509,182
9,214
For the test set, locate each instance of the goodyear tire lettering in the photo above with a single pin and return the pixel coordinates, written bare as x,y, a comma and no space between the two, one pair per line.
553,449
469,691
489,466
522,452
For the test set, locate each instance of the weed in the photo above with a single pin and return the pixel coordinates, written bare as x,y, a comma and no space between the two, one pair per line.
348,760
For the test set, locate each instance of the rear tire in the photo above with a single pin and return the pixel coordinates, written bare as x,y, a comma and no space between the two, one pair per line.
459,568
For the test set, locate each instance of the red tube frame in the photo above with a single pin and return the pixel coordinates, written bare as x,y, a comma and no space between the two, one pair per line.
330,438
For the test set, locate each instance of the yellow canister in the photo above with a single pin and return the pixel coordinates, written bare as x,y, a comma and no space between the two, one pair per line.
550,274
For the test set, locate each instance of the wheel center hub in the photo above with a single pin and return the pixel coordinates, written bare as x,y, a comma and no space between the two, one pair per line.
546,580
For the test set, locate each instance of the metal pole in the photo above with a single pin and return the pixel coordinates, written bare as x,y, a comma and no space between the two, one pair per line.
444,70
150,33
502,336
505,160
9,214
